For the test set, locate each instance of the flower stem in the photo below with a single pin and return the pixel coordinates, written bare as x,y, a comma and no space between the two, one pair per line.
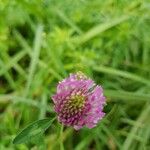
61,138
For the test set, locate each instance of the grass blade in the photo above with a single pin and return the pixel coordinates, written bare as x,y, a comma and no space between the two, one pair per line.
121,73
35,57
127,96
95,31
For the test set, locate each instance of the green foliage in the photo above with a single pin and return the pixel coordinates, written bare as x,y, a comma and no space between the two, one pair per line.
42,41
33,131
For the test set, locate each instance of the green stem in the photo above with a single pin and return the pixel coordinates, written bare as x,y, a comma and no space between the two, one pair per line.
61,138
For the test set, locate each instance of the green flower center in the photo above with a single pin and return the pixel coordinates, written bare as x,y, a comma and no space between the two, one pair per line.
74,104
77,101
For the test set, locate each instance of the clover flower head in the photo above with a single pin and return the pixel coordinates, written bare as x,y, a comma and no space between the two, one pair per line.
79,101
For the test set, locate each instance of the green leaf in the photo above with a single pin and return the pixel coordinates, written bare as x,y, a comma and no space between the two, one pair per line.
33,131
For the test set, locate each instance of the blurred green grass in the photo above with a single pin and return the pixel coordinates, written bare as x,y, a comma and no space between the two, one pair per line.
42,41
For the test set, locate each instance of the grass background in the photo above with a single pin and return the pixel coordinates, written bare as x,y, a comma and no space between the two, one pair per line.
42,41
